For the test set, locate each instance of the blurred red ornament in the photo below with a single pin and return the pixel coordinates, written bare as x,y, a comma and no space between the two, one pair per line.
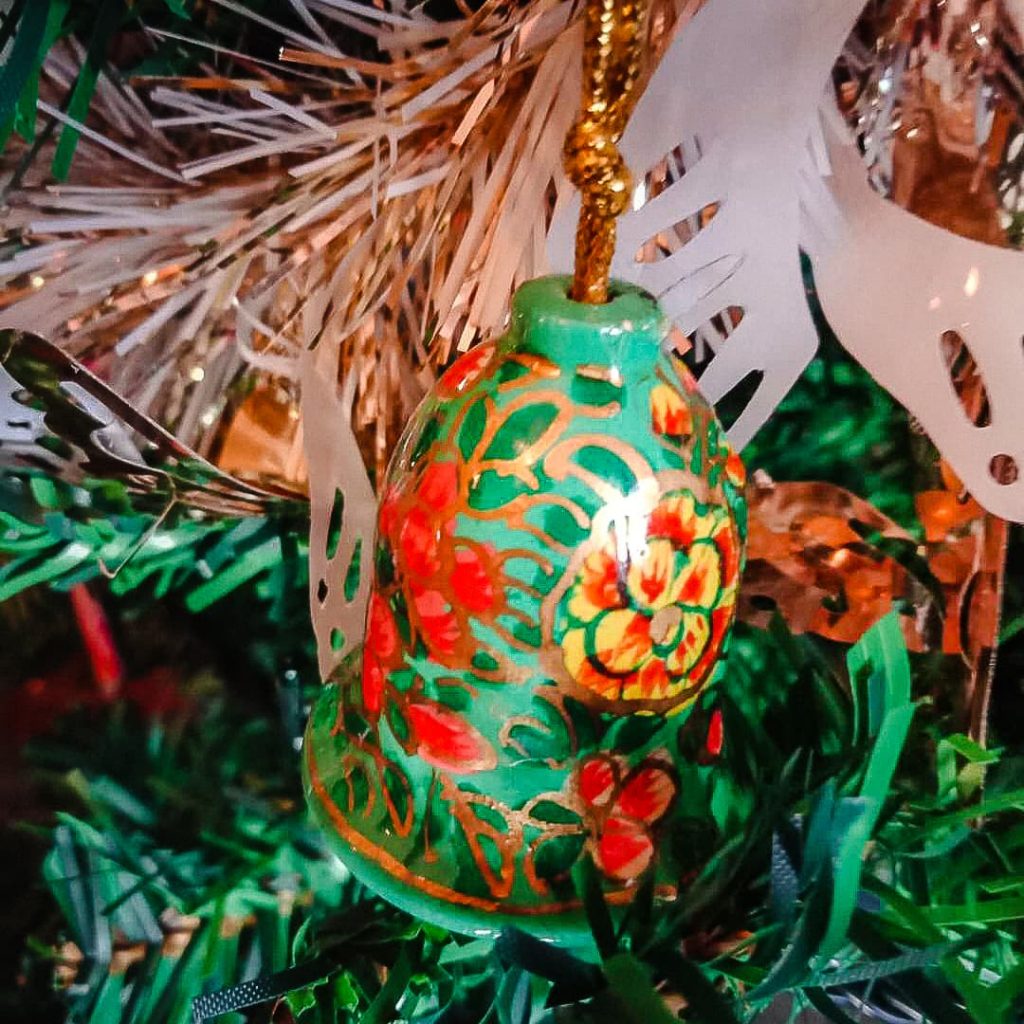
91,677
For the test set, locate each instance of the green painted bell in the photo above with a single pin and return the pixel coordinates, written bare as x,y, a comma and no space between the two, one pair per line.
556,567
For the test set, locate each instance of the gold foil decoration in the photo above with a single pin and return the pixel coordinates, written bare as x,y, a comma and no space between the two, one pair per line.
263,440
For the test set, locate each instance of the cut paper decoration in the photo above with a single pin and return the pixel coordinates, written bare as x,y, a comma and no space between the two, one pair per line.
724,234
734,175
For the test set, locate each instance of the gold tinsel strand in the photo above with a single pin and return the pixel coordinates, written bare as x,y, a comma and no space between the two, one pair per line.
375,213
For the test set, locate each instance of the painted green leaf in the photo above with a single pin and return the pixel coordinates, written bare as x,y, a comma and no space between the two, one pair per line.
556,857
472,429
522,428
554,813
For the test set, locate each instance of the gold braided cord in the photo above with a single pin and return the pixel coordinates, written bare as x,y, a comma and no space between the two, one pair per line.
612,44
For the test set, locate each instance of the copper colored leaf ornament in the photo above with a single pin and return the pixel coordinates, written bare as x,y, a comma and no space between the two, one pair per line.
832,564
967,554
261,440
808,561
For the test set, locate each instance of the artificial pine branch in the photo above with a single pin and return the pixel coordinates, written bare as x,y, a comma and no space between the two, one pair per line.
60,534
822,878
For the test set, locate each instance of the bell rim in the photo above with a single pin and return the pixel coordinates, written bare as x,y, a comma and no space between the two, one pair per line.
563,923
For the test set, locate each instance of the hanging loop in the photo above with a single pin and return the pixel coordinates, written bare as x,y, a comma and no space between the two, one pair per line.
612,47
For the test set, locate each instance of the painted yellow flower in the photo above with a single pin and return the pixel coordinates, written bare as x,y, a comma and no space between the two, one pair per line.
672,418
649,627
670,412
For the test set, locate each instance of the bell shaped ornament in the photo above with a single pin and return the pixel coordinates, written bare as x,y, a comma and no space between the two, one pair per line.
557,558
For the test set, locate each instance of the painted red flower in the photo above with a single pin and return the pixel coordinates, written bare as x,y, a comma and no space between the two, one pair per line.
466,370
735,471
373,684
471,584
597,781
444,739
624,850
446,579
624,805
716,734
438,622
428,520
672,418
381,646
439,486
381,631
